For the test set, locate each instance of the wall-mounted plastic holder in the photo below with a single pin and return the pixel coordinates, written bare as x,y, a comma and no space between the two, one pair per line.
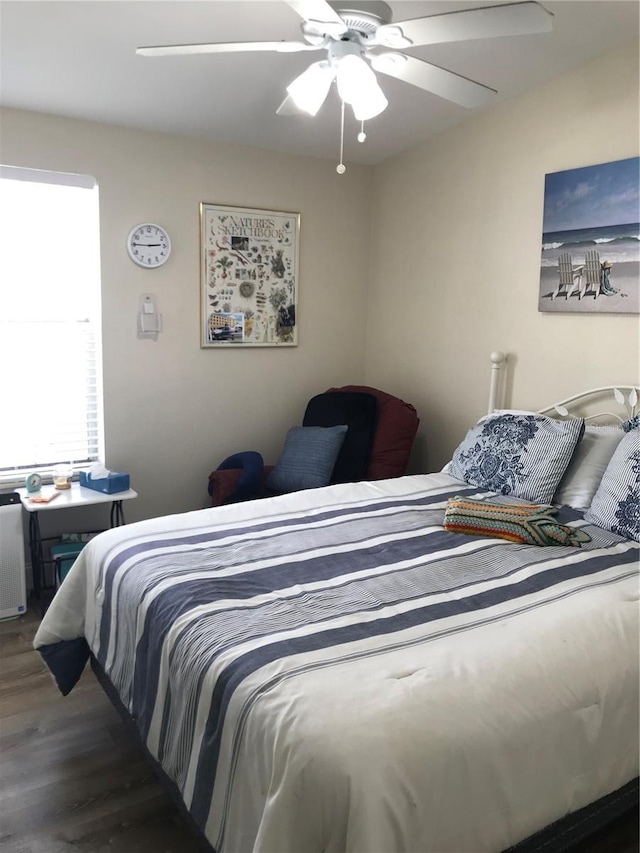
149,321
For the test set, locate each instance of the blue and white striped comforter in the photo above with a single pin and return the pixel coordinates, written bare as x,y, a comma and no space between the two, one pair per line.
332,671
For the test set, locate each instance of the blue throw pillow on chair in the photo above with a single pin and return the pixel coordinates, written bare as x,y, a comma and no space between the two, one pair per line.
308,458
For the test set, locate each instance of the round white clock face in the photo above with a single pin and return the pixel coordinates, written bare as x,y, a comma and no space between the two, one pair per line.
148,245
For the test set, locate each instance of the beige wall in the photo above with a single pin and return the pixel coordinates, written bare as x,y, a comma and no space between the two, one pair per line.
456,243
454,251
173,411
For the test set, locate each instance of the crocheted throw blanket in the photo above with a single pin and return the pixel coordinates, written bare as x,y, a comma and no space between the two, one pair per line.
527,524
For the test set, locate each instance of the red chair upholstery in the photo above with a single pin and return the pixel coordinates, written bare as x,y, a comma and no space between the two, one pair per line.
396,427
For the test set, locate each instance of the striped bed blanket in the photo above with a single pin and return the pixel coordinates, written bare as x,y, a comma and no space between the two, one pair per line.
333,671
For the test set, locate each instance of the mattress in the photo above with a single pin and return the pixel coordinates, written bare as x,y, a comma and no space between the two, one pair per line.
332,671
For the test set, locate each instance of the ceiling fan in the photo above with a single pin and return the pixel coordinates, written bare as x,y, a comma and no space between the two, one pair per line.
359,38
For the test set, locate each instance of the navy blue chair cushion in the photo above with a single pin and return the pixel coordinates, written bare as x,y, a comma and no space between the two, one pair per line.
359,411
249,485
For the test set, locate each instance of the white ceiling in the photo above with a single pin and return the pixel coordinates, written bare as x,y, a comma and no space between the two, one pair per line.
77,58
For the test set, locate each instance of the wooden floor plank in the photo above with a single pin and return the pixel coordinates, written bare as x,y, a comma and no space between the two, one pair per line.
74,780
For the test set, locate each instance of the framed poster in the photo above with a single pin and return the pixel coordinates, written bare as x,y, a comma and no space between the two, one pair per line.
591,240
249,276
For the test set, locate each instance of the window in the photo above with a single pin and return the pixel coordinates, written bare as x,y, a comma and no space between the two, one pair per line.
50,347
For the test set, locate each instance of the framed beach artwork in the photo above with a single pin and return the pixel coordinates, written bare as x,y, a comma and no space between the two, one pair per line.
591,240
248,277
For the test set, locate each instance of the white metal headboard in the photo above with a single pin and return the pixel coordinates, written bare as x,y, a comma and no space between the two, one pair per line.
498,360
626,396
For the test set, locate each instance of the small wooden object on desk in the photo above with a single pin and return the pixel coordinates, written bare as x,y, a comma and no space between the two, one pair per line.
44,499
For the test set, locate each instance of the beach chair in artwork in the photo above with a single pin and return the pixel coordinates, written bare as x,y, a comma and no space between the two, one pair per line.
591,285
570,276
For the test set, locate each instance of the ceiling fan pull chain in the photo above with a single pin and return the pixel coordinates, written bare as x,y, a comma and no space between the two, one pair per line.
341,168
362,135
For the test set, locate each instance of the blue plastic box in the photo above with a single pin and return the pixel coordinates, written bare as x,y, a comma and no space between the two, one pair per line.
108,485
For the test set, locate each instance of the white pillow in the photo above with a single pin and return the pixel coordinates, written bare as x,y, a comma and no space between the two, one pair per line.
587,466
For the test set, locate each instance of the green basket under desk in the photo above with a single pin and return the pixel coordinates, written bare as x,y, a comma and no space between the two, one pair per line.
63,556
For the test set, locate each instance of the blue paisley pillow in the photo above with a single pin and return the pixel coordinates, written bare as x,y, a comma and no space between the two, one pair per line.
616,504
632,423
524,455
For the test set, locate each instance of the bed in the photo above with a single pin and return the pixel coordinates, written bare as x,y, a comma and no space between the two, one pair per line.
332,670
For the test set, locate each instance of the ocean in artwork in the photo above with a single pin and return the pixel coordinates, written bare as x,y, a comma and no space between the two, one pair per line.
615,243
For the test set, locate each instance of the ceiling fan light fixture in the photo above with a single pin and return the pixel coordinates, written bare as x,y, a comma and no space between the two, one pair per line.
372,106
310,89
357,85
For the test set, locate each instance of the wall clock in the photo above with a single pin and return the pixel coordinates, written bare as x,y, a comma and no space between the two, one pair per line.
148,245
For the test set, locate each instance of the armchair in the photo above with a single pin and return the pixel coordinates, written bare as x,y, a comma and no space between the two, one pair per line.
377,445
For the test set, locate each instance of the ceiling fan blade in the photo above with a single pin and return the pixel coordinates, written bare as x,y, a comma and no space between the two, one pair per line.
437,80
226,47
319,12
513,19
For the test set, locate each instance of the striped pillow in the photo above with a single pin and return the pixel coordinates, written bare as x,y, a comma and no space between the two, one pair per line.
616,504
517,454
526,524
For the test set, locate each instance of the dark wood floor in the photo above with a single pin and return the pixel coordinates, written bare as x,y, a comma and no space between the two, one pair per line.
72,778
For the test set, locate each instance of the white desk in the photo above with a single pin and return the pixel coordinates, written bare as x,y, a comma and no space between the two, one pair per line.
76,496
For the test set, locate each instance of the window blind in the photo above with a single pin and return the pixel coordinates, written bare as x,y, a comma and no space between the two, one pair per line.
50,345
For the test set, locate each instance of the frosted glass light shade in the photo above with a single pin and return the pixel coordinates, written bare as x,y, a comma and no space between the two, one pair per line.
310,89
358,86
